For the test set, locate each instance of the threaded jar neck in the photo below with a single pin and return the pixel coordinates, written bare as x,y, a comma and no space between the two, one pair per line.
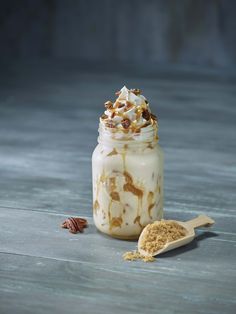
118,137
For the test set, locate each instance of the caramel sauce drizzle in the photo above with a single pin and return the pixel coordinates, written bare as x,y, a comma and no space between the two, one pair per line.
130,187
116,222
96,206
113,152
150,203
137,220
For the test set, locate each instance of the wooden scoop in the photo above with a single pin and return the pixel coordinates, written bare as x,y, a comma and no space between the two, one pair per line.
200,221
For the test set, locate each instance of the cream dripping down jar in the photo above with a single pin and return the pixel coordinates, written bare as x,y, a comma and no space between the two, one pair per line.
127,167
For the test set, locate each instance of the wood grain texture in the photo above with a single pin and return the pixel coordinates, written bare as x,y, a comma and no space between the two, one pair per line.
48,129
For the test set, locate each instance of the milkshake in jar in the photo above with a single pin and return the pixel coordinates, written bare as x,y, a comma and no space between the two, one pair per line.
127,167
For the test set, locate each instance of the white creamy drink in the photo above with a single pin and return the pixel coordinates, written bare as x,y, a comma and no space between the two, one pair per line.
127,167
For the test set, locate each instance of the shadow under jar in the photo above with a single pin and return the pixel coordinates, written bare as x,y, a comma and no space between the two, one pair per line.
127,181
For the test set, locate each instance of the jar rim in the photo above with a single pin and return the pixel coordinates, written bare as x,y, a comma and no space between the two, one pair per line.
146,134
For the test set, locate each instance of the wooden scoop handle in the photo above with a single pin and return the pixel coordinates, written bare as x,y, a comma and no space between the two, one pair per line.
200,221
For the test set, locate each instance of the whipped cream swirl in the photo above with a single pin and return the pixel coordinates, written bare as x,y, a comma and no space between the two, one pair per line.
130,112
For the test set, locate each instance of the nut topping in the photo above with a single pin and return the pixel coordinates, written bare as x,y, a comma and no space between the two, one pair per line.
120,105
125,123
135,91
108,104
110,124
128,105
104,116
146,114
128,113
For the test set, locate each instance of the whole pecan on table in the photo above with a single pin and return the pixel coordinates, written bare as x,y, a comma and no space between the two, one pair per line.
75,224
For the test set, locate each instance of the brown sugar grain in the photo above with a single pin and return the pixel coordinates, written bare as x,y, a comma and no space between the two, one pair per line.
135,255
159,233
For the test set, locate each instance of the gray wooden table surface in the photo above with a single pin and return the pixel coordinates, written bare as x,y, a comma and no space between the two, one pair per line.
48,130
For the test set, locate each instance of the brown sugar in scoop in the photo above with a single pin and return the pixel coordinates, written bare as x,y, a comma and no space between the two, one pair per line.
159,233
165,235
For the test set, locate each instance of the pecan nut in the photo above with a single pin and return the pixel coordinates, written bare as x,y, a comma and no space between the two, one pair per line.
125,123
75,224
146,114
135,91
108,104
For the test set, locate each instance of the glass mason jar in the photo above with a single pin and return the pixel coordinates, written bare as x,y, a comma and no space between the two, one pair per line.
127,181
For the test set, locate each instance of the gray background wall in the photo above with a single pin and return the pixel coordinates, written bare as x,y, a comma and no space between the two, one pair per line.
200,32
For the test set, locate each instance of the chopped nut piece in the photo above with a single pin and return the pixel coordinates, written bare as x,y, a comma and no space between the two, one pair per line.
125,123
104,116
135,91
146,114
118,93
128,105
110,124
108,104
120,105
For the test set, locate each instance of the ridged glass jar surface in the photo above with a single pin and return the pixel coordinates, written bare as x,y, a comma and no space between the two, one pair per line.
127,182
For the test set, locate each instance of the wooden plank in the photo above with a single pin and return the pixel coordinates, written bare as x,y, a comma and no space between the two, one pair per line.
46,140
49,286
39,234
